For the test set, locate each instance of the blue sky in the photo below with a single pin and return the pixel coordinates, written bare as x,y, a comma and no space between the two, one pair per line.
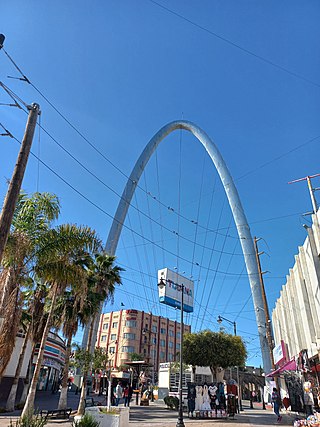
246,72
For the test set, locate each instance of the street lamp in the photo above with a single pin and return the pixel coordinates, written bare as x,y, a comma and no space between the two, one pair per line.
149,332
180,288
220,320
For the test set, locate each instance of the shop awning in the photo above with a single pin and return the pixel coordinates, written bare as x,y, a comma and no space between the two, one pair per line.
289,366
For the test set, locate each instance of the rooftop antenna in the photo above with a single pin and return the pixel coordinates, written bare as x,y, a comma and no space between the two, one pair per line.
311,191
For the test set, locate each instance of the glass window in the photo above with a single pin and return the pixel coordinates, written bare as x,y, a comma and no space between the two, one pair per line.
162,343
104,338
170,357
170,333
113,337
129,336
128,349
170,344
152,353
154,340
154,328
115,324
144,351
178,334
131,323
162,354
105,326
145,340
162,331
178,346
112,350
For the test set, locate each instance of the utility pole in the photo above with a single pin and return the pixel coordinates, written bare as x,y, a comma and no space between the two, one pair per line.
12,195
311,189
265,302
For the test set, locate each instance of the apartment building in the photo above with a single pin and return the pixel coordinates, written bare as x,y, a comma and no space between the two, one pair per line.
125,332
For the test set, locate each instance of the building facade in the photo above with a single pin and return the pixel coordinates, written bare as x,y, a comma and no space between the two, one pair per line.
125,332
296,319
296,316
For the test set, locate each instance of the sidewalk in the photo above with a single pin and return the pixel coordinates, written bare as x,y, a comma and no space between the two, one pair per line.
156,415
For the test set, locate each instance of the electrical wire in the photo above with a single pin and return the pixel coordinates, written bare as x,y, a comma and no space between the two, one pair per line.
236,45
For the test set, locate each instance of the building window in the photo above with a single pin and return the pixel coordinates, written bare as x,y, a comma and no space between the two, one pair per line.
162,331
128,349
131,323
170,344
115,324
178,346
154,340
154,328
171,333
178,335
162,355
105,326
129,336
153,354
113,337
104,338
112,350
145,340
144,351
170,356
162,343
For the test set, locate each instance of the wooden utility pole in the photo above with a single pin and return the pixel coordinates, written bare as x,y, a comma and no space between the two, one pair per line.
265,303
311,190
10,201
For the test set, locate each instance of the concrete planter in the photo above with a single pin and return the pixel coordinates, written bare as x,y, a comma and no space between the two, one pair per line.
119,417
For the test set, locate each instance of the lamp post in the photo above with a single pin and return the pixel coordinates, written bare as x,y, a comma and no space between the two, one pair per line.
180,288
149,332
220,320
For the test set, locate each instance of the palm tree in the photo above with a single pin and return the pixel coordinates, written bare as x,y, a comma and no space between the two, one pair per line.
32,219
103,275
57,266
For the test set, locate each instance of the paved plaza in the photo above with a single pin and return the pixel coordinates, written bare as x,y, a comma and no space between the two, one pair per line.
156,415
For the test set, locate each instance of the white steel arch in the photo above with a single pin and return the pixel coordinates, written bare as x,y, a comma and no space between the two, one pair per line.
235,205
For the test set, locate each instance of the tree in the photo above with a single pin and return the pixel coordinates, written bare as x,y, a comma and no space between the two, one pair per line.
136,356
103,275
57,266
32,219
217,350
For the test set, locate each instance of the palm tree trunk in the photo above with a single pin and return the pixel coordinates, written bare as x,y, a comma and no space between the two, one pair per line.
26,382
13,392
64,385
7,285
81,407
29,405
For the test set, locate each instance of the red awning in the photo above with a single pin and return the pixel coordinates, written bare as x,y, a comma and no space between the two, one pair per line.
289,366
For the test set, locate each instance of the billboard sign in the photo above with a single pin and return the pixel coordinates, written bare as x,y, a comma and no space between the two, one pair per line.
280,353
171,294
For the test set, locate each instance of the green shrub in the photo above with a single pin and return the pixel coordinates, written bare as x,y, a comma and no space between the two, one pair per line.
172,402
31,421
86,421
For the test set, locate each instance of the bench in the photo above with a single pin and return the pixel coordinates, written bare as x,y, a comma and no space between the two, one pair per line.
89,401
57,413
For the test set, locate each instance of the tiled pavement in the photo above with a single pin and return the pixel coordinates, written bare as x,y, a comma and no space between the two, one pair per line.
156,415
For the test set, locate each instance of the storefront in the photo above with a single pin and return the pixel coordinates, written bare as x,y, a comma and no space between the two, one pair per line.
53,362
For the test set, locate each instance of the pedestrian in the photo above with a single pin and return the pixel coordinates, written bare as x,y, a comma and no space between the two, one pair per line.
118,393
276,401
126,396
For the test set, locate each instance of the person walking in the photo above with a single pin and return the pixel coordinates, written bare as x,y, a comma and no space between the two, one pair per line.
118,393
126,392
276,401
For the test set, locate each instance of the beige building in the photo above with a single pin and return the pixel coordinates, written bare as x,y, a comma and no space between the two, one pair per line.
125,332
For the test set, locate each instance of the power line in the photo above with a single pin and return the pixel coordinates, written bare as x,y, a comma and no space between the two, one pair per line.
110,216
236,45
